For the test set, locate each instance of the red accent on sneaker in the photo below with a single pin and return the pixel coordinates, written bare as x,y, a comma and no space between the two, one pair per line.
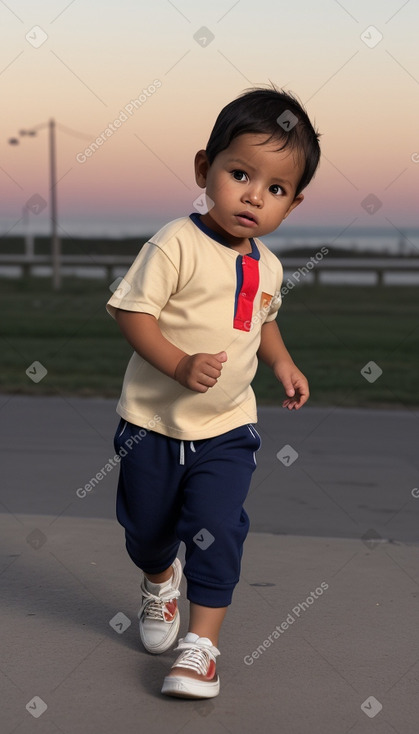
210,674
170,610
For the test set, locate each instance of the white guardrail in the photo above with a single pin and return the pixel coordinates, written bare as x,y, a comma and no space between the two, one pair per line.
110,263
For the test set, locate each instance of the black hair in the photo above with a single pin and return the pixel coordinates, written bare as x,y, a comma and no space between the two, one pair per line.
273,112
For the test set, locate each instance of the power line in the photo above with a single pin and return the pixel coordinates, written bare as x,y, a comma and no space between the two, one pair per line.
74,133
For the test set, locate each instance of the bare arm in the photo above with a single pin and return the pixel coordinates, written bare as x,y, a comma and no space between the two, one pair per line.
272,348
197,372
273,351
142,331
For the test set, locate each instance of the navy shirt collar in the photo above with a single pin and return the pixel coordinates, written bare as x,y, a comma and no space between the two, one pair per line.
196,218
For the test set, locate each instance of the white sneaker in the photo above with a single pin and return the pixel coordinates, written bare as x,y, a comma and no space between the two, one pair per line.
159,614
198,656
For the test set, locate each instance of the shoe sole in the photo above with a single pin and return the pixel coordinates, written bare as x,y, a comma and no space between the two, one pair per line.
190,688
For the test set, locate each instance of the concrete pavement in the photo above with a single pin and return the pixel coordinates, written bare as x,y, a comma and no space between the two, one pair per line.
322,632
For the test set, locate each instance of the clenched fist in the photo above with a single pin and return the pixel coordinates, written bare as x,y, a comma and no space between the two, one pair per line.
201,371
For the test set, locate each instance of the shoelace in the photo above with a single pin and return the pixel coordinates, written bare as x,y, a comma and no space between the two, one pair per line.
195,657
153,606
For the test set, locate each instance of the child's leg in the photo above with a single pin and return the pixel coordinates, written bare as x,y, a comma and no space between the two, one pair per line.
213,525
206,621
148,504
148,500
159,578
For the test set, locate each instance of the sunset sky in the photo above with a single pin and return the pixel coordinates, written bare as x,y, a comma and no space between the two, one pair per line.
83,62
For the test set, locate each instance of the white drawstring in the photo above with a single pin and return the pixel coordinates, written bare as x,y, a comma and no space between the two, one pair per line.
182,451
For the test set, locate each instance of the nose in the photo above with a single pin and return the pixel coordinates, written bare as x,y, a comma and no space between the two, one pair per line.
253,195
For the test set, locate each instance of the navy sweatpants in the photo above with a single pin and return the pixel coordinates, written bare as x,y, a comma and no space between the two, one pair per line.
192,491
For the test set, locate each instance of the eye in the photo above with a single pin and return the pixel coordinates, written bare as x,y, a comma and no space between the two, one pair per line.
276,189
239,175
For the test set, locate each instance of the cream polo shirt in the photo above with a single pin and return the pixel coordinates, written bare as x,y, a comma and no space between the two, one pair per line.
208,298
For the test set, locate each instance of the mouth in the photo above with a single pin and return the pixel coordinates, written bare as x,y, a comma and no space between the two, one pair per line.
247,219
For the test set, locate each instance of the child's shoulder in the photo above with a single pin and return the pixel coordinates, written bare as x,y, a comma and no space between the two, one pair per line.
267,254
173,231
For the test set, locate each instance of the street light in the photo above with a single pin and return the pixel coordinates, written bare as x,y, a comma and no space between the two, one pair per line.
55,242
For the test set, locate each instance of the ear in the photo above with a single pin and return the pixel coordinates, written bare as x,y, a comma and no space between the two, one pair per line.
298,199
201,168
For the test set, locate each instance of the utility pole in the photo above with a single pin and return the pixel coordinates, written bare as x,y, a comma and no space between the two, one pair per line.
55,242
29,249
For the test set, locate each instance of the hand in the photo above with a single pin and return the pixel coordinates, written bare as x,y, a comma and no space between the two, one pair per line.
199,372
294,382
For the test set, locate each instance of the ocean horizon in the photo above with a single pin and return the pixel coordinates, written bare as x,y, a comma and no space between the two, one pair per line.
379,240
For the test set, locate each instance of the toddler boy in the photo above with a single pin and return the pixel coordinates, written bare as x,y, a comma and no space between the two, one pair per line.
198,306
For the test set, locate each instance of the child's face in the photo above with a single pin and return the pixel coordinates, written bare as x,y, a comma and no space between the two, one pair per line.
252,187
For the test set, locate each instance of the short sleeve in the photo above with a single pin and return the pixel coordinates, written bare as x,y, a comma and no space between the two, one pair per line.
148,284
276,301
274,307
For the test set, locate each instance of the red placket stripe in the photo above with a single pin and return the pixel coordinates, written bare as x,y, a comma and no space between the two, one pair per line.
246,296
